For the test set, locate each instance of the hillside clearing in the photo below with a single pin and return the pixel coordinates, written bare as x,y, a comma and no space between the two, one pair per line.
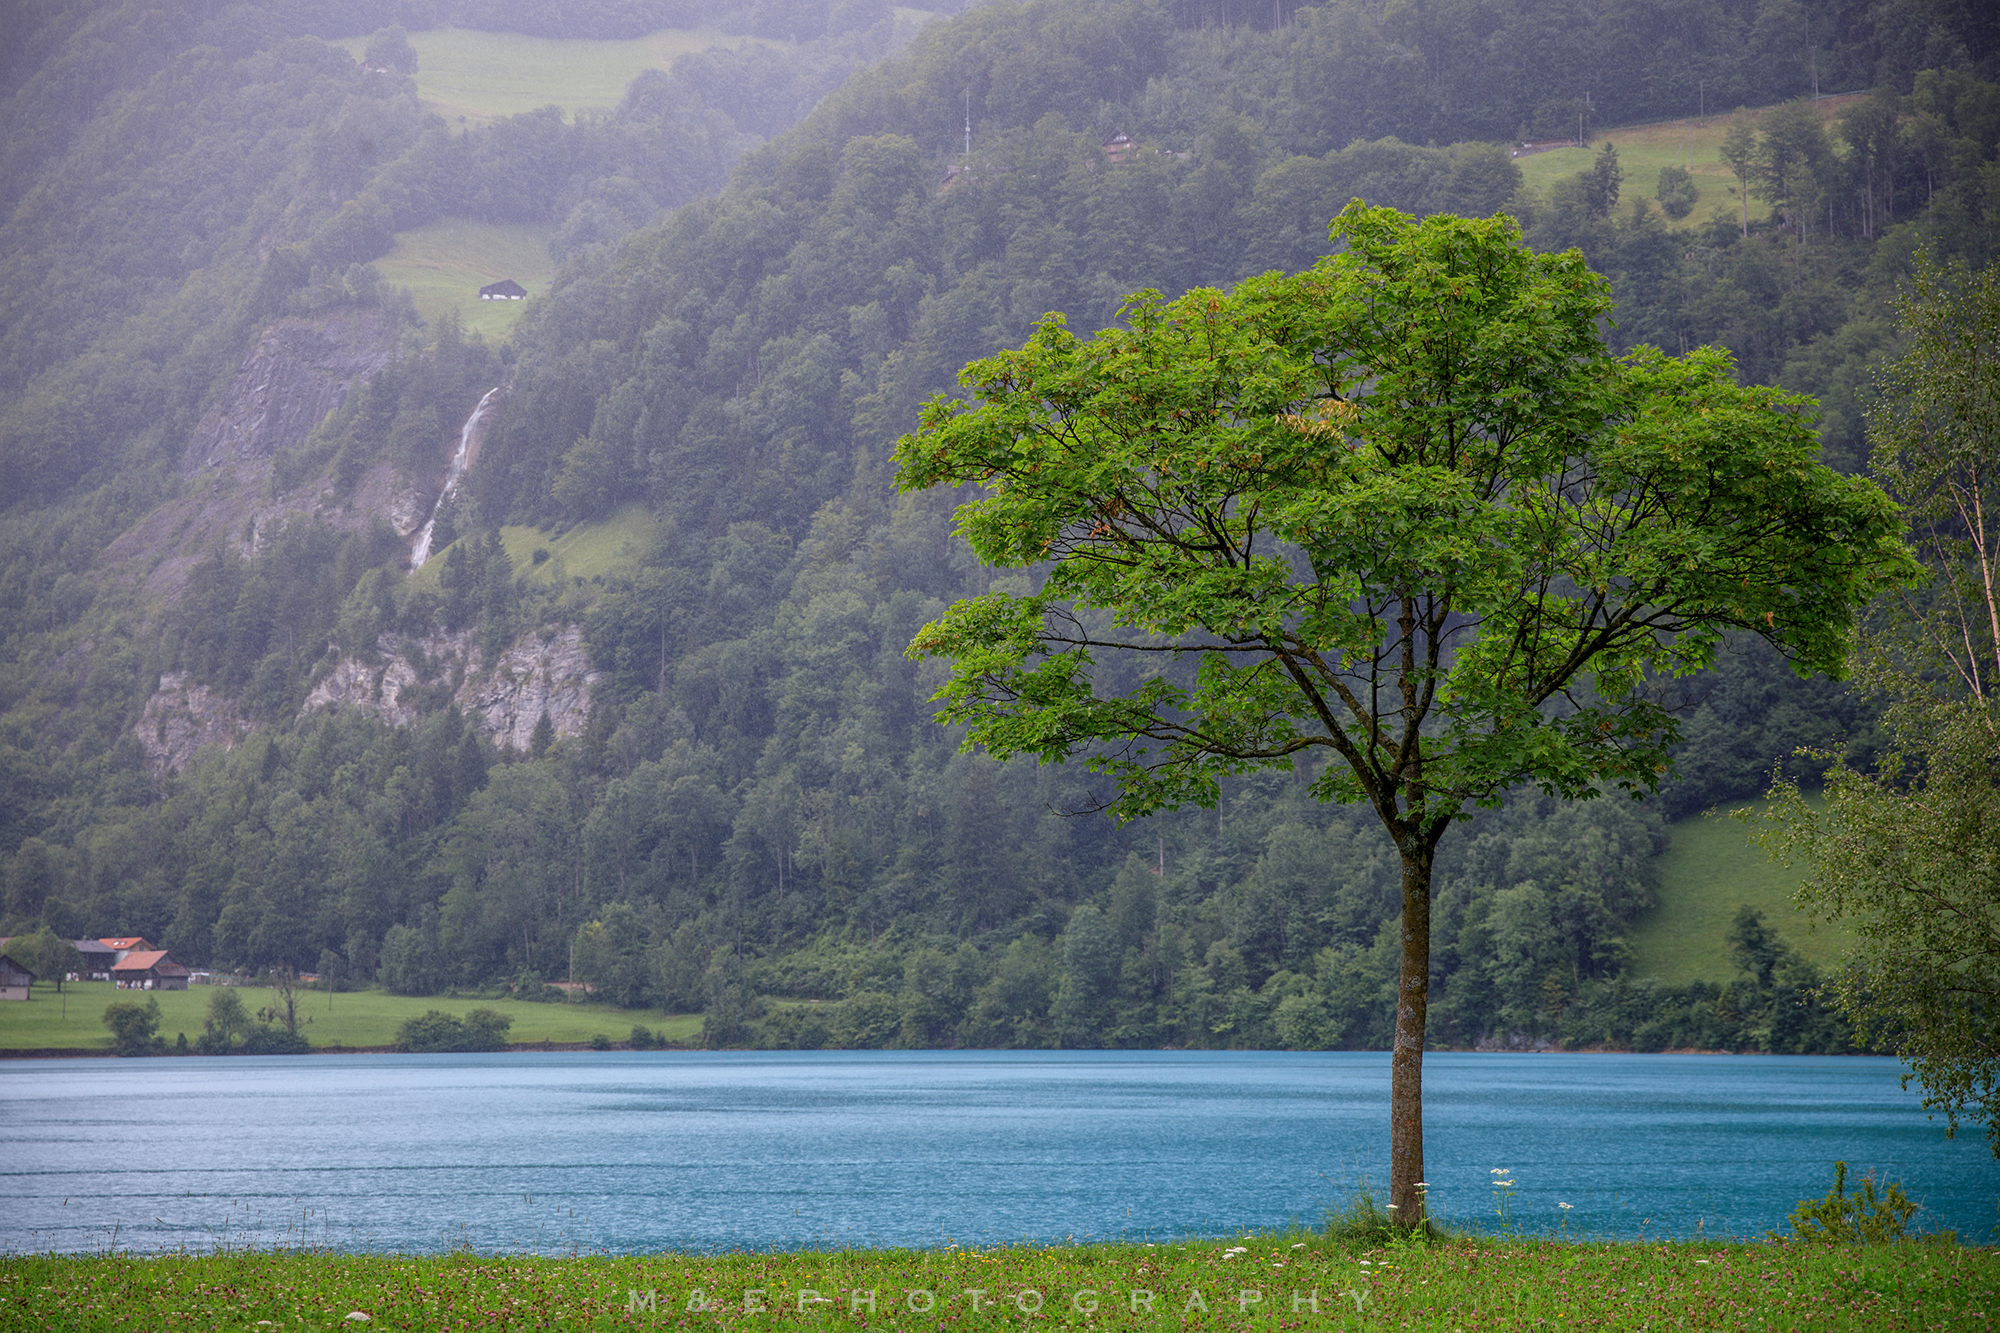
584,553
446,263
1710,870
474,78
1694,143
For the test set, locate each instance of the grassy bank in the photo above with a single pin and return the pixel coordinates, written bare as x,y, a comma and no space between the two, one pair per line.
1288,1282
347,1018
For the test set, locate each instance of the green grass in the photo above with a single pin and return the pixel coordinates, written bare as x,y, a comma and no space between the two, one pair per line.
351,1018
1644,149
1711,869
472,78
446,263
1270,1283
585,552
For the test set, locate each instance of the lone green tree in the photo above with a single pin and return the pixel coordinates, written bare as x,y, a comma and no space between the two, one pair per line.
227,1022
48,956
135,1027
1908,857
1402,511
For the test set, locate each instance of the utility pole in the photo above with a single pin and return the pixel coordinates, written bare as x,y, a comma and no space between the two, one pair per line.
1701,103
968,121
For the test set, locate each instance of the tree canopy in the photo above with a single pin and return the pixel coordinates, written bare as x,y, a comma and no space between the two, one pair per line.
1908,857
1404,506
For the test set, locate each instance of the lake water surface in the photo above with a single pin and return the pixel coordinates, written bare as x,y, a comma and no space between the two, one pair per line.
640,1152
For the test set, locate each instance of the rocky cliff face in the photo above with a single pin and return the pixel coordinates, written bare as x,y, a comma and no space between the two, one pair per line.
299,371
546,671
181,718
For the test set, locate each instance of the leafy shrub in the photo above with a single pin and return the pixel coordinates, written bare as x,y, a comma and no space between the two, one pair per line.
134,1026
1867,1218
486,1030
435,1031
227,1019
1677,192
229,1030
266,1039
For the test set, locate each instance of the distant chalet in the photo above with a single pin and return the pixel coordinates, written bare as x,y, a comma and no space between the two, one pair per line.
14,979
1122,147
1533,146
505,290
149,969
98,958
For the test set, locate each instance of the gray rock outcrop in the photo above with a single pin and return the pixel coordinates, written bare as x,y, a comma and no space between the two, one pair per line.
545,671
299,371
180,719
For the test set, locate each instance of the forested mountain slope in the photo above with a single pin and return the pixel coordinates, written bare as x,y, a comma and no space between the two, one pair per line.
755,804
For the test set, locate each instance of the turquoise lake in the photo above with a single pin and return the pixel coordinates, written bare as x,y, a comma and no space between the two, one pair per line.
650,1151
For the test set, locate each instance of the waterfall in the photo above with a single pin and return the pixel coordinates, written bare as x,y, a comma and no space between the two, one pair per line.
468,436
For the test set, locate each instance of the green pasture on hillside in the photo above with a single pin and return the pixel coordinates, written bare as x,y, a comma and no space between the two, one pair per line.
346,1018
1694,143
446,263
472,78
1709,871
1290,1281
584,552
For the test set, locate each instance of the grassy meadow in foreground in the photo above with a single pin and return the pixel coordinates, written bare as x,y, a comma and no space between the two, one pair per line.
347,1018
1265,1282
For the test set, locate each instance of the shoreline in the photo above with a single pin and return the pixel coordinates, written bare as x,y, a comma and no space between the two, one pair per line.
540,1047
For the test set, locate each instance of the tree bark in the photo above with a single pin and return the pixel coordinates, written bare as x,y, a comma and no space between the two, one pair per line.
1406,1062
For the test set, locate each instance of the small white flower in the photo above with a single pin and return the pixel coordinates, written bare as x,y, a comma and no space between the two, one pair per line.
1300,1246
1501,1171
1563,1206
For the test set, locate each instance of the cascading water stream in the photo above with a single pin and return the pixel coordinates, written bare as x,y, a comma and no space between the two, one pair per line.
468,435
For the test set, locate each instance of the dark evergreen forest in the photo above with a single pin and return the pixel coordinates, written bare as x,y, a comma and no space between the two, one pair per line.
760,821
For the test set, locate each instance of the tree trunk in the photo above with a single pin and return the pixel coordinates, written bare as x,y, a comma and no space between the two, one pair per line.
1406,1063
